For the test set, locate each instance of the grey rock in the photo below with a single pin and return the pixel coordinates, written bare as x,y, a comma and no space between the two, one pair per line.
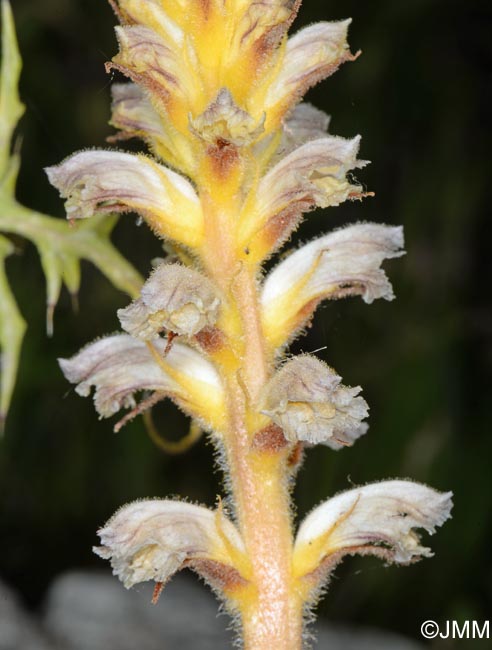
87,611
341,638
94,612
18,631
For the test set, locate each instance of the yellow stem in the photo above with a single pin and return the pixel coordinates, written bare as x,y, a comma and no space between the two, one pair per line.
271,609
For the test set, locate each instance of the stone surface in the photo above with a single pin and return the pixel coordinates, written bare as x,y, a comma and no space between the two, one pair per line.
92,611
340,638
17,630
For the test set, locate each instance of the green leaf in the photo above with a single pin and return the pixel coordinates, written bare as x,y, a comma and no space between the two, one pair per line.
12,328
11,108
61,247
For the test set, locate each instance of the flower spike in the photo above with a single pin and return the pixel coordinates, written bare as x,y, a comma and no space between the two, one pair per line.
214,93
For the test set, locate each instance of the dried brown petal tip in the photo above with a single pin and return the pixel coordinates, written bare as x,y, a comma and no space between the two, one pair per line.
308,401
176,298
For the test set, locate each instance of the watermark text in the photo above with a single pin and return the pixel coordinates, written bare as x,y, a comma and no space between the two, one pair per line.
455,629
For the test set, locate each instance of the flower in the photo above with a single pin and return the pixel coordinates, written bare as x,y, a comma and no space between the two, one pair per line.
376,519
119,366
346,262
225,122
133,113
312,175
306,399
109,181
312,54
153,538
176,298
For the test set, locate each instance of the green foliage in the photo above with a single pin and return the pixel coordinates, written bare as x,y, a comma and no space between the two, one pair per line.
61,247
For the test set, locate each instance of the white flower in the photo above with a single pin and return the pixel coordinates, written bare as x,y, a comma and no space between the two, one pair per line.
109,181
119,366
312,175
306,399
152,539
176,298
312,54
346,262
378,519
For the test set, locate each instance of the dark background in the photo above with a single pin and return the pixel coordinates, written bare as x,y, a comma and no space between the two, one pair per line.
420,96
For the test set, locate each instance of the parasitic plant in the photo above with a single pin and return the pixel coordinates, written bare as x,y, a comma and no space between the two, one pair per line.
235,162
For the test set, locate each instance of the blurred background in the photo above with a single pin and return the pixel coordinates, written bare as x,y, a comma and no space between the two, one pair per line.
420,95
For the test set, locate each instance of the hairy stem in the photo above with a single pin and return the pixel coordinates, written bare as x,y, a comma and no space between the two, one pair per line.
271,610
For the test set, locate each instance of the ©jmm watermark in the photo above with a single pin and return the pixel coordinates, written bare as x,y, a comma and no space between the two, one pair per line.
456,630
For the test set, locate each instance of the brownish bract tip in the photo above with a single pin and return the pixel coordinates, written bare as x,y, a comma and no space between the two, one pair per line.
223,157
220,576
211,339
270,439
